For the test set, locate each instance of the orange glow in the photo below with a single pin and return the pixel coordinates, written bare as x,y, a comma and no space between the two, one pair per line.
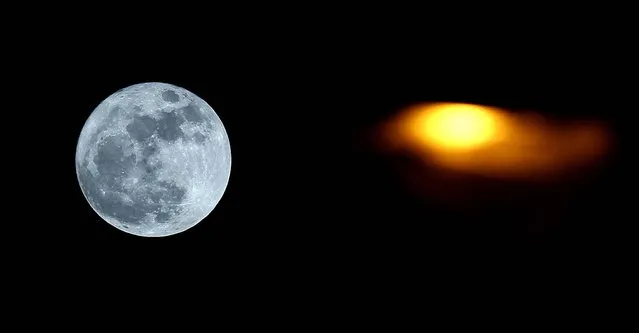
491,141
456,126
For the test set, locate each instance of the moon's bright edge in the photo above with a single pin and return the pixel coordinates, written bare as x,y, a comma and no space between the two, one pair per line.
153,159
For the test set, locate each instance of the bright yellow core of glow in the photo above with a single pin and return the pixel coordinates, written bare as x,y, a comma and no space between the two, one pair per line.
458,126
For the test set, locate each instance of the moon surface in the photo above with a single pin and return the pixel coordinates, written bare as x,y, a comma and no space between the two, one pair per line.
153,159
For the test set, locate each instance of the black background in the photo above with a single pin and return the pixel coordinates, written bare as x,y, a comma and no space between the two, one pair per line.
311,211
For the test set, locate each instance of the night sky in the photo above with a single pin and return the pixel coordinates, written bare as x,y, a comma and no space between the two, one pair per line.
312,207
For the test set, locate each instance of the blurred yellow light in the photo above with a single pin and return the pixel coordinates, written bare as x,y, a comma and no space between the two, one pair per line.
458,126
492,141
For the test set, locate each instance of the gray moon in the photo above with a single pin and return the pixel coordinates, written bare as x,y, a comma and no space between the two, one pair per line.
153,159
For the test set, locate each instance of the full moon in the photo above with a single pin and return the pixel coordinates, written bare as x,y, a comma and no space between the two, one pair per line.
153,159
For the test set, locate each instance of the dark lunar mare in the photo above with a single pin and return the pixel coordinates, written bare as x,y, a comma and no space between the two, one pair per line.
113,167
141,128
191,113
168,128
170,96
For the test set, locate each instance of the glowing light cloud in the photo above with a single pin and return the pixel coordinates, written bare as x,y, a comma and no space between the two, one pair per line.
455,126
494,142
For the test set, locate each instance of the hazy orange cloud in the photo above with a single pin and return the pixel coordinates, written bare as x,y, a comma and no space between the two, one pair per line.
494,142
